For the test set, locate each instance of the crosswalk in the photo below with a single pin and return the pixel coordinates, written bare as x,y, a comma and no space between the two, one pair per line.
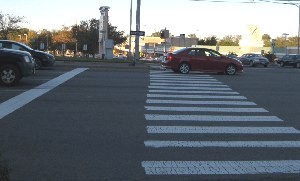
194,105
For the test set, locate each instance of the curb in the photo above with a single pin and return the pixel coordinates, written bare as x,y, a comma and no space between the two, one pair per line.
113,65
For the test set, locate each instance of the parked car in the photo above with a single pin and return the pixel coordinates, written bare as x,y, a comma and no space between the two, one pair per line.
201,59
14,65
253,59
289,60
42,59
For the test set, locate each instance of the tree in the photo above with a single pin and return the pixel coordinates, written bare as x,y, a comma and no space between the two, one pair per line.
87,33
117,36
63,36
9,24
156,34
212,41
192,35
267,40
230,40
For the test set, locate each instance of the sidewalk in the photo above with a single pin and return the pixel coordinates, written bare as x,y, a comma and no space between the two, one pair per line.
106,64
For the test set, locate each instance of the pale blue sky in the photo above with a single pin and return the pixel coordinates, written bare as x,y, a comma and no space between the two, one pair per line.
179,16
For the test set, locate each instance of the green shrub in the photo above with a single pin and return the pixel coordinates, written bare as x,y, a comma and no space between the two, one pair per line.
271,57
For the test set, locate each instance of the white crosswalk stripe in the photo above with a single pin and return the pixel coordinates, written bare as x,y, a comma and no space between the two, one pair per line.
194,99
225,144
193,92
169,117
188,102
220,167
191,88
220,130
194,96
204,109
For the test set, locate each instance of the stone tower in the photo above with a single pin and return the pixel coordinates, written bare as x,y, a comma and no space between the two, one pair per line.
103,30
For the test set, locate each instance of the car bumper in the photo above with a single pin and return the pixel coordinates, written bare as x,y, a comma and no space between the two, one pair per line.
28,69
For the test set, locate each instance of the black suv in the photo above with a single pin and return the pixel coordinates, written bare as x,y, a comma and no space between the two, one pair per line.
42,59
289,60
14,65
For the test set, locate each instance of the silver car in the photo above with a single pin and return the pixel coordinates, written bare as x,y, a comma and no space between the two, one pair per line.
253,59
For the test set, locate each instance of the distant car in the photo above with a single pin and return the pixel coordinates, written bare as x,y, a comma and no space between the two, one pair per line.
14,65
232,55
253,59
201,59
42,59
289,60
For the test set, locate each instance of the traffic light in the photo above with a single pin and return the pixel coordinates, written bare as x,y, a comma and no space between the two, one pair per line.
162,34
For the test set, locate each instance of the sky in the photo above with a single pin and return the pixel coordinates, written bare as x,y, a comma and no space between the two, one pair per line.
178,16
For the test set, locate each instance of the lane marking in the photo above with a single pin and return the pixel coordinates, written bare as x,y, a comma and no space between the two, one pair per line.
219,130
190,88
188,85
161,117
239,103
195,96
206,109
222,144
193,92
17,102
221,167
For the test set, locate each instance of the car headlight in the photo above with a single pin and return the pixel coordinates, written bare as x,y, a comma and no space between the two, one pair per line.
27,59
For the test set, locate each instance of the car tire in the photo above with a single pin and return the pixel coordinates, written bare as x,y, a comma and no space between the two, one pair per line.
281,64
9,75
184,68
265,65
230,69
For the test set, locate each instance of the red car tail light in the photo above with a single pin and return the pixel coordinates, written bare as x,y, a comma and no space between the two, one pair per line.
170,57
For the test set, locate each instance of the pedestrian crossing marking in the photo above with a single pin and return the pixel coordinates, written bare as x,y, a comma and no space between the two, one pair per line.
219,130
195,96
188,84
190,88
206,109
166,117
193,92
190,102
221,167
200,93
222,144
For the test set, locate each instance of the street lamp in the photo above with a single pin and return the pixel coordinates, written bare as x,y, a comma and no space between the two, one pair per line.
285,35
25,37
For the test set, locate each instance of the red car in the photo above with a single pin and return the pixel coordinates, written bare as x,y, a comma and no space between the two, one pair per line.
201,59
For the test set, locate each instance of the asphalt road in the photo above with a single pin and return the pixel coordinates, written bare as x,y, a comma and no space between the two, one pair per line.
94,126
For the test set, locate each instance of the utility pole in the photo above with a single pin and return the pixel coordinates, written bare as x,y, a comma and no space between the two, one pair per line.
285,35
129,52
137,36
